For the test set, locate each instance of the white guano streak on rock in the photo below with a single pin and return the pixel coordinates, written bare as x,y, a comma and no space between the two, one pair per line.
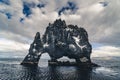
77,42
45,45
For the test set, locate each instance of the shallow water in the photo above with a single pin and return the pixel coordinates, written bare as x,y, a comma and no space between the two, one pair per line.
11,70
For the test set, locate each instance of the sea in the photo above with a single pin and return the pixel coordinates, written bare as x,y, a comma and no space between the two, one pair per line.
10,69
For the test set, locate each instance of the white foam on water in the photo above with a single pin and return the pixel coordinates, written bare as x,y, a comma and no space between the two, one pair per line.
105,71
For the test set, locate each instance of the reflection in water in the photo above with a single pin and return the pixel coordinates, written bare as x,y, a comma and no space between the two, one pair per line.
11,70
30,73
56,73
83,74
18,72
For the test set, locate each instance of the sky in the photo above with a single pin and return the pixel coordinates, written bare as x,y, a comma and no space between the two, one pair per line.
21,19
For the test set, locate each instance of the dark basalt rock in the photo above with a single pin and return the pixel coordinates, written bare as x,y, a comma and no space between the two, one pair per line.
34,52
67,63
61,40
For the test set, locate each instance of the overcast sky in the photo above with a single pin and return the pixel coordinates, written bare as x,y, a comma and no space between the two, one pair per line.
21,19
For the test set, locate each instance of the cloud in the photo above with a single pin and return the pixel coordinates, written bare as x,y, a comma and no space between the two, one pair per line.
9,16
26,8
12,46
106,51
21,19
7,2
71,7
12,49
104,3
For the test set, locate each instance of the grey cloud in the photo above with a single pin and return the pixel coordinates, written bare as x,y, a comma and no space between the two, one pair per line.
103,27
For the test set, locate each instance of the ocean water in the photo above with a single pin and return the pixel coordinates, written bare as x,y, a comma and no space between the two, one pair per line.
10,69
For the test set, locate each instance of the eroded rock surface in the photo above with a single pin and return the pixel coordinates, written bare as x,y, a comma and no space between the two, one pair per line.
67,40
34,51
61,40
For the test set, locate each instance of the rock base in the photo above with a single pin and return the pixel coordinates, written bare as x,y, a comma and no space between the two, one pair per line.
29,63
67,63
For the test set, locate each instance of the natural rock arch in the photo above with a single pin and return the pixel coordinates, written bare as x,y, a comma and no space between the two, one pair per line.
60,40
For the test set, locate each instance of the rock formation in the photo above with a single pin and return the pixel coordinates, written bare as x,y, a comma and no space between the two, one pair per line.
34,52
61,40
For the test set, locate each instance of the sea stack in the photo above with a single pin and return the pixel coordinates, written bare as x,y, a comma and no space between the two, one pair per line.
34,52
61,40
